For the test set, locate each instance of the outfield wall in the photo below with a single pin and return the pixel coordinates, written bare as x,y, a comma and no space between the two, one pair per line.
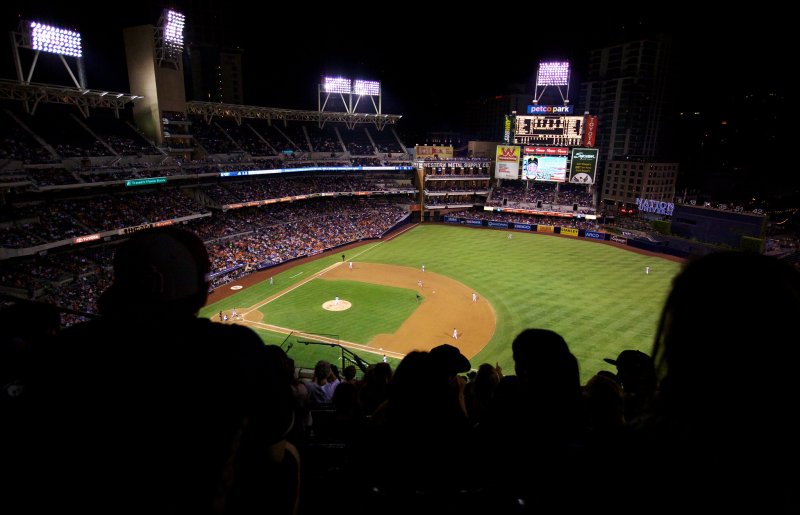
668,246
540,228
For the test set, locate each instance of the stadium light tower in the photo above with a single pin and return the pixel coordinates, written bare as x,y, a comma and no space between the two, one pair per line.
169,39
348,89
552,74
40,37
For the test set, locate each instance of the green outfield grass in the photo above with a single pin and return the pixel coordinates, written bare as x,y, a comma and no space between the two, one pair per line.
375,309
596,296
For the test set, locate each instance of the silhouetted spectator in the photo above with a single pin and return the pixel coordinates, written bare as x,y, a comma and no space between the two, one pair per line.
152,410
723,435
535,424
637,377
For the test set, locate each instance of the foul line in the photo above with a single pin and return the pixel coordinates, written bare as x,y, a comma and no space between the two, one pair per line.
295,275
346,344
393,236
291,288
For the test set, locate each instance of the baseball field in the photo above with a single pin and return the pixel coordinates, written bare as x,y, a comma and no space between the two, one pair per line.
597,296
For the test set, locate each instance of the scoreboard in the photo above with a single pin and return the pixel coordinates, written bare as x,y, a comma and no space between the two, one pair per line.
556,130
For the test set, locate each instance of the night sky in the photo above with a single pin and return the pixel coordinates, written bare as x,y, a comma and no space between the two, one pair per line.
432,62
428,61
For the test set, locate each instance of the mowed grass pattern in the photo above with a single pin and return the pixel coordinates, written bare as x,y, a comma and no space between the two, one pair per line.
375,309
596,296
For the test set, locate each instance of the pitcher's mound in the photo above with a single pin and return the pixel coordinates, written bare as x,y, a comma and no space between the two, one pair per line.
331,305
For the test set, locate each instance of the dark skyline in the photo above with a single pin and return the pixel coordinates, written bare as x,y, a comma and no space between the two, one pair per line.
432,63
426,67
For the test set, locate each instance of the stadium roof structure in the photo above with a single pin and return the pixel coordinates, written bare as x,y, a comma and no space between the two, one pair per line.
31,95
208,110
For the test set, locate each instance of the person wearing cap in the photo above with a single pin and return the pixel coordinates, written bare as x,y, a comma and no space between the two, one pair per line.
154,403
451,362
636,375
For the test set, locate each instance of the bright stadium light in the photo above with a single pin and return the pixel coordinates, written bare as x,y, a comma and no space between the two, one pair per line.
54,40
350,92
337,85
169,39
553,73
173,29
367,87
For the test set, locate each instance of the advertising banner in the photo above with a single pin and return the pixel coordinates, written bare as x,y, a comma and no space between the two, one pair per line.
474,222
569,231
523,227
498,225
584,165
594,235
545,228
507,166
618,239
542,109
655,206
590,131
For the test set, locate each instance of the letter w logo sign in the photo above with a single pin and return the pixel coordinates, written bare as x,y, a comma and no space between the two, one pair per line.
507,153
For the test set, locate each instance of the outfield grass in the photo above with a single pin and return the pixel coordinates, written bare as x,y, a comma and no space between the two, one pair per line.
596,296
375,309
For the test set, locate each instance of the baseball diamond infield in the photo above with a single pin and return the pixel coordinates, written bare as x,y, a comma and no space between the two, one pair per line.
598,296
431,324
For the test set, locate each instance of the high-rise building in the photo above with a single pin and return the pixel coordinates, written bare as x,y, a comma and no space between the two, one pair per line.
627,87
216,74
214,53
625,180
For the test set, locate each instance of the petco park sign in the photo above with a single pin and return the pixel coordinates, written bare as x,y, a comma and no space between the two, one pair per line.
537,109
654,206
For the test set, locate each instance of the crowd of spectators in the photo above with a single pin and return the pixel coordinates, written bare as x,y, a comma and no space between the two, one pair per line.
546,197
244,239
268,235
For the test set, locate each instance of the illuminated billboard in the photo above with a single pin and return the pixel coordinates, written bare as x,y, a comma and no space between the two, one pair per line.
545,164
583,166
590,131
507,165
543,109
565,131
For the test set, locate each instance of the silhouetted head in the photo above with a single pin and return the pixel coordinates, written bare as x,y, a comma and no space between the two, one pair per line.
727,334
164,269
542,357
635,370
449,360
